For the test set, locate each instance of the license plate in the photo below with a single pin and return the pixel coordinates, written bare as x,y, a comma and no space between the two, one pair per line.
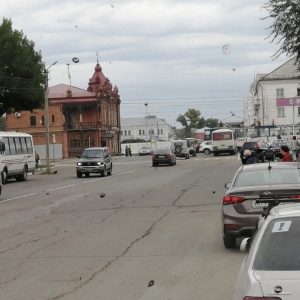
258,205
161,156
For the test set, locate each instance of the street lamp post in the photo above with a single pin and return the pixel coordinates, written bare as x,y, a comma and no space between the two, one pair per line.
46,71
188,122
146,105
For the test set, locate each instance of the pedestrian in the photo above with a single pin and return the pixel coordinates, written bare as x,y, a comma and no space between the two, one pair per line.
294,147
285,152
37,160
126,150
130,150
249,158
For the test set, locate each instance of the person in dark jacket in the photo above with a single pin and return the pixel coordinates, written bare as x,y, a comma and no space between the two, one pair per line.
249,158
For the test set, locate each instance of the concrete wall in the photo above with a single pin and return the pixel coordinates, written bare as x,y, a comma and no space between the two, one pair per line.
136,147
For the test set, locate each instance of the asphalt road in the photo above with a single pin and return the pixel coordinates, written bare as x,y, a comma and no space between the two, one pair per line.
142,233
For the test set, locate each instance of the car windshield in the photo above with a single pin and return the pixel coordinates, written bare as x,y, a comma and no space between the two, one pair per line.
146,148
249,145
93,153
280,247
266,177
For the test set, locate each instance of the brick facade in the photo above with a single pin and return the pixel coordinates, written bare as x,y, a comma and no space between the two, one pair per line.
77,118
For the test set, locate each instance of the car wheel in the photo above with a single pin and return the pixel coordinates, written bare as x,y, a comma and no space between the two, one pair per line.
103,172
4,176
110,170
178,149
206,151
229,242
79,174
23,176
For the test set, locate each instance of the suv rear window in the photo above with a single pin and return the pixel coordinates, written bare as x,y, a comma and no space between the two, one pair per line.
249,145
279,248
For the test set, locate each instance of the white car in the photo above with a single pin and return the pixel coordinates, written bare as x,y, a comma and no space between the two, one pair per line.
271,270
206,147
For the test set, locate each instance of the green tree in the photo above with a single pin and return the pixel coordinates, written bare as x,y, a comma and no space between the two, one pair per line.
212,123
189,120
21,71
286,26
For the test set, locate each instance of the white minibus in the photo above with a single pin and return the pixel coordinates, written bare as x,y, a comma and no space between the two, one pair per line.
223,141
17,155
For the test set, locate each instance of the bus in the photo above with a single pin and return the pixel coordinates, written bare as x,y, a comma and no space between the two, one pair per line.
17,155
223,141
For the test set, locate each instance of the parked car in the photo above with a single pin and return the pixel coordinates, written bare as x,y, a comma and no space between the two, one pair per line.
276,145
257,148
240,212
163,156
271,270
206,147
180,148
96,160
146,150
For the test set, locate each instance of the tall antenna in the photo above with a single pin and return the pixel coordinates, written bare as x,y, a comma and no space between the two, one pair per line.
97,57
69,75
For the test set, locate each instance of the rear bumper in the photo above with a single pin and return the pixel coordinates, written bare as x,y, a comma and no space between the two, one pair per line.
236,224
162,161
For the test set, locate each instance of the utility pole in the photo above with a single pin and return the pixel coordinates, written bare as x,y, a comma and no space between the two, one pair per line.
46,71
146,104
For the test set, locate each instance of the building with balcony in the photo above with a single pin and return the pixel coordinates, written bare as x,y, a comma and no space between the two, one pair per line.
274,100
77,119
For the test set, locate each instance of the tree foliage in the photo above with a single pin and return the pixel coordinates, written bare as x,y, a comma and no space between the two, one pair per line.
286,26
197,121
21,71
192,114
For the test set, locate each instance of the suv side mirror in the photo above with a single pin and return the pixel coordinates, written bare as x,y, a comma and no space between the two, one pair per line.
245,245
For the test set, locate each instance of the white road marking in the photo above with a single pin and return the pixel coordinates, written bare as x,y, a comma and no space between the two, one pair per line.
62,187
101,178
17,197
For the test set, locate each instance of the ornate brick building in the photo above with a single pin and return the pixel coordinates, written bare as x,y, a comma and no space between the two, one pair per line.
77,118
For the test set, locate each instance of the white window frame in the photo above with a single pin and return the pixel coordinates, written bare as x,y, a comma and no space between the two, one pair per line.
279,93
280,112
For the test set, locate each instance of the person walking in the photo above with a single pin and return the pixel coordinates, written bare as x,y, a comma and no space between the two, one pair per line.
294,147
249,158
285,152
126,150
37,160
130,150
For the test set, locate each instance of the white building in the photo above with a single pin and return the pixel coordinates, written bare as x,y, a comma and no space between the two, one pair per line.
147,128
275,99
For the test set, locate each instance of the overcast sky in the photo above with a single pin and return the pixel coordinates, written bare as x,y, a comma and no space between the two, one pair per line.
172,54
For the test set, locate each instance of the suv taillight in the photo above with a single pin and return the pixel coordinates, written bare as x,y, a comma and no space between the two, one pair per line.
257,145
261,298
232,200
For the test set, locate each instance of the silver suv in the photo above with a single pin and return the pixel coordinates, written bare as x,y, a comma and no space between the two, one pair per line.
180,148
94,160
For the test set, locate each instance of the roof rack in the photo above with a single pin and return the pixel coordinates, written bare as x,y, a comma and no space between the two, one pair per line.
275,199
